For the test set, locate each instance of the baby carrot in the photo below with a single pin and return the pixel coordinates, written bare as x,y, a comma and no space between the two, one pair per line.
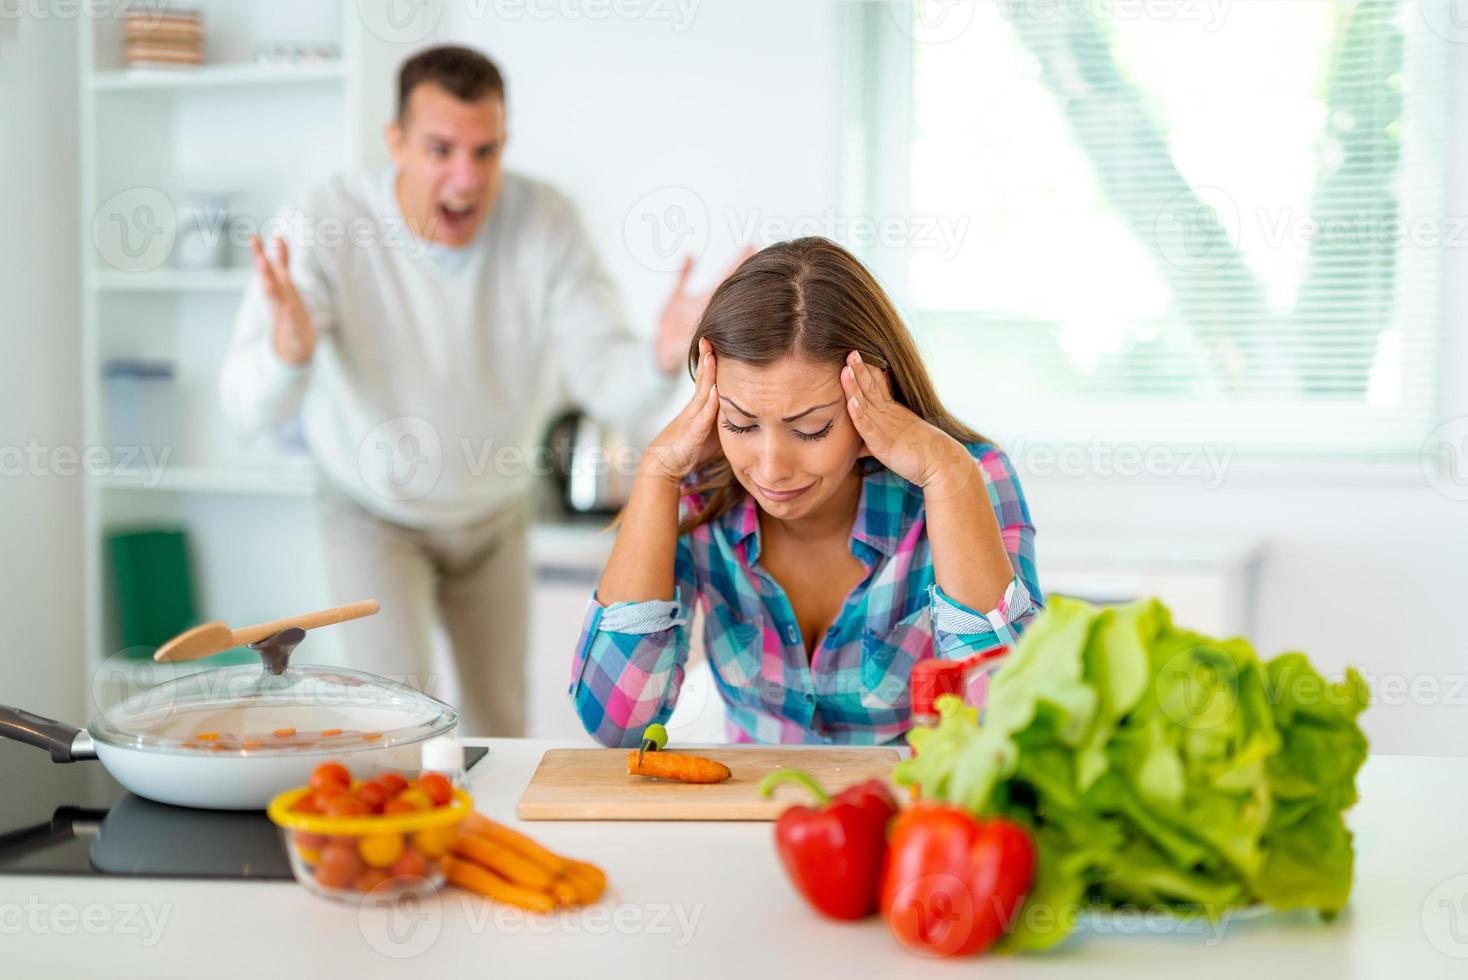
481,826
503,862
586,880
564,892
467,874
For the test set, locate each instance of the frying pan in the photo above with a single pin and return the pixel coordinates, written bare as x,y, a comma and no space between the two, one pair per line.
232,738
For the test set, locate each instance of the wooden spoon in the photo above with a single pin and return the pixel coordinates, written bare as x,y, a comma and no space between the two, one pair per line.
211,638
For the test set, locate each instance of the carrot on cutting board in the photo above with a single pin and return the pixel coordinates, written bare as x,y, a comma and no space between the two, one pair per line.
677,767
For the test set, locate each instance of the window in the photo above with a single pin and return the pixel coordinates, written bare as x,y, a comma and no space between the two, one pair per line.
1164,222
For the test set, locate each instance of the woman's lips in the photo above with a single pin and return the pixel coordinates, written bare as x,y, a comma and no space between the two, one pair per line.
780,496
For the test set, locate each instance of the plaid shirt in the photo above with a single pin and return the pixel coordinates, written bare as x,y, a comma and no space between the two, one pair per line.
854,688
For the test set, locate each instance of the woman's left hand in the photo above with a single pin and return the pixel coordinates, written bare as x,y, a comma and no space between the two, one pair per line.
915,450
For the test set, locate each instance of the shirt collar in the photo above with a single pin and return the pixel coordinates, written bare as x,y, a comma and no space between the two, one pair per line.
881,515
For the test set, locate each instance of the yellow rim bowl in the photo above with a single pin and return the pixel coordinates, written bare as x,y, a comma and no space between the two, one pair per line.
281,814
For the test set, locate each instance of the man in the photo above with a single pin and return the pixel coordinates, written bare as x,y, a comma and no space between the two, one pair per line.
411,324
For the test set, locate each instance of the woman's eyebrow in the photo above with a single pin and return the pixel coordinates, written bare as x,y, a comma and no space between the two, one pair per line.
788,418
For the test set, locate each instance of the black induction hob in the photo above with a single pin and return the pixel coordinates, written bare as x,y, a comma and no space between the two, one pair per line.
73,818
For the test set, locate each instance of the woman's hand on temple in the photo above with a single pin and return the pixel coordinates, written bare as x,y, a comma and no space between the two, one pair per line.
914,449
689,440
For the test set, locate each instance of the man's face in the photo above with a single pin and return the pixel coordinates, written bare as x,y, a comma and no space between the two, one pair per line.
449,156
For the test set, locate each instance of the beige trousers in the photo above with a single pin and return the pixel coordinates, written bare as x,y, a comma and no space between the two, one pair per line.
474,582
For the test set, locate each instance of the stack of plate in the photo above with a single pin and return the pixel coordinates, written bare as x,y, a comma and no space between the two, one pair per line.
163,38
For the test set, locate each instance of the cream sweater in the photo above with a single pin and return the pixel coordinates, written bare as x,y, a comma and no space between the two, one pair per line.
435,367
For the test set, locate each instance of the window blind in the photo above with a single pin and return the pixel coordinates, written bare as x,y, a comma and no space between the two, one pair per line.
1166,222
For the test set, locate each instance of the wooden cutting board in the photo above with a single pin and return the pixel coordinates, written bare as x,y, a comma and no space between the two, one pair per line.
592,784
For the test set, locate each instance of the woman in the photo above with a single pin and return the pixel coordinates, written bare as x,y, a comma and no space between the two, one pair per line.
832,521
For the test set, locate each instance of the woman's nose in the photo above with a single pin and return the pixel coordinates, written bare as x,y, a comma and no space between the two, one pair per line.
776,465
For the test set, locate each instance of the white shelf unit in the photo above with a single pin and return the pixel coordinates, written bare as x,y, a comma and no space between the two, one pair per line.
260,133
216,76
285,479
230,281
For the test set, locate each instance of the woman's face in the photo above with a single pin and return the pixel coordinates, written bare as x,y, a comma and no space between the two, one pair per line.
786,433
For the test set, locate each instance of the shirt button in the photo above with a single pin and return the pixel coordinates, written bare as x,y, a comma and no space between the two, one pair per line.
791,633
810,699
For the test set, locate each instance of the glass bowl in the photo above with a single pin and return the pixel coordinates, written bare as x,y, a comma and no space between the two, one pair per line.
381,855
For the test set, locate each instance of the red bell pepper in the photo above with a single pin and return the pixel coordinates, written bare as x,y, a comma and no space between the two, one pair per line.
834,853
953,883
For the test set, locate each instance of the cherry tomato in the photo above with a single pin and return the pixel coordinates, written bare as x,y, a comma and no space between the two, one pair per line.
381,850
332,876
436,786
410,864
340,863
313,841
346,806
373,795
392,782
435,841
330,774
370,879
306,804
408,801
321,797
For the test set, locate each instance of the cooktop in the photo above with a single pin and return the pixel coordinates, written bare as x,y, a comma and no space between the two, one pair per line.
73,818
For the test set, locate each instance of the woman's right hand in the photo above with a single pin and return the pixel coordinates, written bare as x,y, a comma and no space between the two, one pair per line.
689,440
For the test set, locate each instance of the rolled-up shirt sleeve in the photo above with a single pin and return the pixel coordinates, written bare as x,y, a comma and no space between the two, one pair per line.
630,659
959,631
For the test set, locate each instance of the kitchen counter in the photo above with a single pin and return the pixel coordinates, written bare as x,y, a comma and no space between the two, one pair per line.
710,900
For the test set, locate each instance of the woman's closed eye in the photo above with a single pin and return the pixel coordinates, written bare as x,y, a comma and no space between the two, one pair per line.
808,436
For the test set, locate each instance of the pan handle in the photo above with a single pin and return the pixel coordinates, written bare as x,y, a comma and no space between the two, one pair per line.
66,743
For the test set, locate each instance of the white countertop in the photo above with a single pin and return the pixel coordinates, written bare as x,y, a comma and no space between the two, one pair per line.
710,900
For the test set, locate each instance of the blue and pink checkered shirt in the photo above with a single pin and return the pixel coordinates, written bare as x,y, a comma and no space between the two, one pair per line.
853,689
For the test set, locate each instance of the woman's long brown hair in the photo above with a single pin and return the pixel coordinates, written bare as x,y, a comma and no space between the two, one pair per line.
809,298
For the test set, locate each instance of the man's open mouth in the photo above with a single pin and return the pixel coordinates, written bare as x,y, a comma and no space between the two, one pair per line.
457,217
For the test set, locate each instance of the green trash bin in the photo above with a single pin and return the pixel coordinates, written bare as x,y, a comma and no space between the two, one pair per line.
152,580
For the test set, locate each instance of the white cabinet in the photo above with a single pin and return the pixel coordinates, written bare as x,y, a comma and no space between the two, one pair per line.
1206,581
153,142
558,604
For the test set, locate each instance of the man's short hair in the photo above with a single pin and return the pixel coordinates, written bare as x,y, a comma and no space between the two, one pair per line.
464,73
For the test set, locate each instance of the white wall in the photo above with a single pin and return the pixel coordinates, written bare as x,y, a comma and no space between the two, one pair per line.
40,543
738,107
